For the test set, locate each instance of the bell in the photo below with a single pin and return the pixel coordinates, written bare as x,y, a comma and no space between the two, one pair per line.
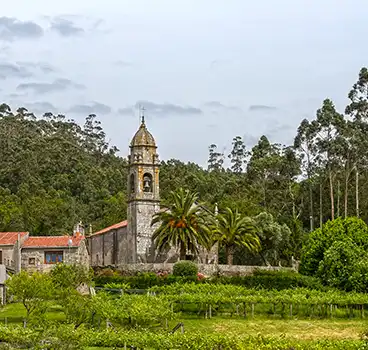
146,186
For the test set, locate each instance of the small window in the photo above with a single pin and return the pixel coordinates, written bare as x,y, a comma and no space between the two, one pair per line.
53,257
32,261
132,183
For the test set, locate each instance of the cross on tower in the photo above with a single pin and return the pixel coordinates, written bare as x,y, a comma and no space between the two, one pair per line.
142,109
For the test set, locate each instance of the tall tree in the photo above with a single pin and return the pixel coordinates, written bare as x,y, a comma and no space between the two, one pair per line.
215,159
328,139
305,145
357,110
182,223
238,155
231,229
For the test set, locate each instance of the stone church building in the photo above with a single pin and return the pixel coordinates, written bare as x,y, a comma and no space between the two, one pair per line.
126,242
130,241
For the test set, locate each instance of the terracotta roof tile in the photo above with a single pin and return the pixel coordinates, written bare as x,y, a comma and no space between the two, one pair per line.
52,241
10,238
112,227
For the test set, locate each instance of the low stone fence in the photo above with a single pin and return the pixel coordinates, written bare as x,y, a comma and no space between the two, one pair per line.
206,269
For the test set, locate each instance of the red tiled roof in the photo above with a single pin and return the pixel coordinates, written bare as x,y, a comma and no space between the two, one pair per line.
113,227
52,241
10,238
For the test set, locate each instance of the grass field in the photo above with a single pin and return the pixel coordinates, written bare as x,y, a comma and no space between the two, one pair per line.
302,329
293,328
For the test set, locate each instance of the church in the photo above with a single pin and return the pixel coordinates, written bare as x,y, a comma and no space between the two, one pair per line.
126,242
130,241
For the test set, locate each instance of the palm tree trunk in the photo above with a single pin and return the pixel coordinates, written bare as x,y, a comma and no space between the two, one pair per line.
183,251
229,255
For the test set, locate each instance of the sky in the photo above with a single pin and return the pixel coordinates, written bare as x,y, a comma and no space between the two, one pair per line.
205,71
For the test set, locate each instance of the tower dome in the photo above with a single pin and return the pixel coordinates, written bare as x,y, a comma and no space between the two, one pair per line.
143,137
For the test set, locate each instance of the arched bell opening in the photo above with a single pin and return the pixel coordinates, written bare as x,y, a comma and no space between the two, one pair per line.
147,183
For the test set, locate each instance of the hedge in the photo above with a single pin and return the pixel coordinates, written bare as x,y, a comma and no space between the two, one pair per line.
278,280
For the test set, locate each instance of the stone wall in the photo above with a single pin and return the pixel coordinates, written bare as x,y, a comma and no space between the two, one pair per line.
8,258
33,259
206,269
109,248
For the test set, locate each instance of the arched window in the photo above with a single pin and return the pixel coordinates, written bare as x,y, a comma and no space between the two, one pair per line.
132,183
147,182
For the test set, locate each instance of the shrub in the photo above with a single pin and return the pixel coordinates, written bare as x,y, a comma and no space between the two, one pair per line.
320,240
185,268
344,266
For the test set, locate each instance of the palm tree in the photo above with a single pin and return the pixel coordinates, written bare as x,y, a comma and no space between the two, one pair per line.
232,229
182,223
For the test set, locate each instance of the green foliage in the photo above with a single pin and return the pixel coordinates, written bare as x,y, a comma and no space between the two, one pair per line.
141,281
32,290
231,229
77,308
55,173
182,223
319,241
133,310
64,337
114,285
274,238
185,269
260,279
345,266
70,276
269,280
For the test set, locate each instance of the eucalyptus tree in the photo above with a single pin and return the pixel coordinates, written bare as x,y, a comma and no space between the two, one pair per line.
238,155
357,110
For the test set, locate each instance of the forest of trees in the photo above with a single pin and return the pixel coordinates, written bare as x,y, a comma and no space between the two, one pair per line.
54,172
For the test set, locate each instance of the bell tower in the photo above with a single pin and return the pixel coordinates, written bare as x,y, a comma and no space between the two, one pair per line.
143,194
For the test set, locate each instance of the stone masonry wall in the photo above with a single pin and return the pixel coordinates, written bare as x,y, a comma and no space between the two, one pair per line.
8,255
103,247
206,269
70,256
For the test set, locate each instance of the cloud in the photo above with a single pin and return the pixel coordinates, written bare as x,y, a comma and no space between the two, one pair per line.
123,64
219,105
40,107
256,108
128,111
12,29
166,109
94,108
13,70
65,27
42,66
250,140
43,88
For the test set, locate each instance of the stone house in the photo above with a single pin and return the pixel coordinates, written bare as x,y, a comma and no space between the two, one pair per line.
42,253
9,248
19,251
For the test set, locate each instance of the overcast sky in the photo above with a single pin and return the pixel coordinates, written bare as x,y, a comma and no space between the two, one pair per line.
205,70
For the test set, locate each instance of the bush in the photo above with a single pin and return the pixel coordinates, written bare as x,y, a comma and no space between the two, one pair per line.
278,280
344,266
185,269
320,240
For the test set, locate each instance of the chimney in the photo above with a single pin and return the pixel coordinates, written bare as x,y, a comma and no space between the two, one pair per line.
78,230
